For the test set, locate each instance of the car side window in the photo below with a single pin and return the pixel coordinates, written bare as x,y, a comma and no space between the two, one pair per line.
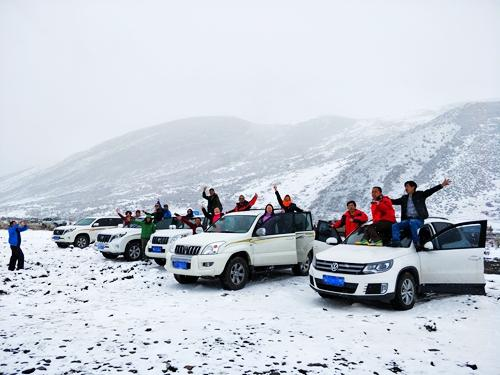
101,222
115,221
285,223
461,237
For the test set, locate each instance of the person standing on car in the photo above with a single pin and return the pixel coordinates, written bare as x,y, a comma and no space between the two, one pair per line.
212,217
286,204
15,244
243,204
189,213
383,216
213,200
413,210
127,219
166,212
148,227
351,219
157,214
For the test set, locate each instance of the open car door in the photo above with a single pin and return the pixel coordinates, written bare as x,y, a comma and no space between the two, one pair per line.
325,231
452,260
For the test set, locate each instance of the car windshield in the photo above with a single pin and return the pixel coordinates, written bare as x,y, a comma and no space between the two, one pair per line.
86,221
233,224
357,236
134,226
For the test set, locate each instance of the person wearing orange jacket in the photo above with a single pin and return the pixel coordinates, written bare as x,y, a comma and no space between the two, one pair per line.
383,216
243,204
351,219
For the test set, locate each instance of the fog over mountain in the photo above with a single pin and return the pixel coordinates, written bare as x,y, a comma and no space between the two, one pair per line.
322,162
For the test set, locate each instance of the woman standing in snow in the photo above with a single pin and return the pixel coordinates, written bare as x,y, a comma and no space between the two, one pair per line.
15,244
148,227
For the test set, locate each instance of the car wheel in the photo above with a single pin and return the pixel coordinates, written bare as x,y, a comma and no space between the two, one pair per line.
82,241
406,292
185,279
235,275
302,268
133,251
160,261
62,245
109,255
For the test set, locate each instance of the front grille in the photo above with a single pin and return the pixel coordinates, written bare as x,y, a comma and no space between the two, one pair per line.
349,268
347,288
160,240
103,237
58,232
187,250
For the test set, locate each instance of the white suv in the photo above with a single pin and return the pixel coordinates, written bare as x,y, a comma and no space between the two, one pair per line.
84,231
238,244
164,240
449,260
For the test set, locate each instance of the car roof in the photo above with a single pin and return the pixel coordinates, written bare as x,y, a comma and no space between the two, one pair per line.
246,213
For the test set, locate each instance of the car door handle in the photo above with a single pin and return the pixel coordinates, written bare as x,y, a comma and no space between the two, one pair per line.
474,257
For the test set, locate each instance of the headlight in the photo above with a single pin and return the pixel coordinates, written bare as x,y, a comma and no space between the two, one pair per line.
212,248
117,236
378,267
69,230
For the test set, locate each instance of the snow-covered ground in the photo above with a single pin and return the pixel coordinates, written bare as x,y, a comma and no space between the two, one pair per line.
72,311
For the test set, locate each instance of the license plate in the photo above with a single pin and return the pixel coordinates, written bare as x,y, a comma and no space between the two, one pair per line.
333,280
180,265
101,246
156,249
55,238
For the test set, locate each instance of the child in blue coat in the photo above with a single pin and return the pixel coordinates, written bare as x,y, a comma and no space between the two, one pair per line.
15,245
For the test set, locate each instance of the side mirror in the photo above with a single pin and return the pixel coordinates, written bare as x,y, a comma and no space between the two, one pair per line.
95,224
172,227
332,241
199,230
261,232
120,225
429,246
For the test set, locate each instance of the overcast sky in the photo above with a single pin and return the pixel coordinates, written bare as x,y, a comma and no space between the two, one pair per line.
74,73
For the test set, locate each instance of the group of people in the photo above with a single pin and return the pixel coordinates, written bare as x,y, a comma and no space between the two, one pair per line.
384,228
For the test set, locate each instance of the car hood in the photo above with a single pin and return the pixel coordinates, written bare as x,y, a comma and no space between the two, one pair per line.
171,232
205,238
362,254
66,227
118,231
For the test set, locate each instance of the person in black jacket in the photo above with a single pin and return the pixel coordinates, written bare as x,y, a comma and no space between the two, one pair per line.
213,200
413,210
286,204
157,214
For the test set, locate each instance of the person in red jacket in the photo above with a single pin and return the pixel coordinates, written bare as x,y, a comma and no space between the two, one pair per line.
383,216
351,219
194,226
243,204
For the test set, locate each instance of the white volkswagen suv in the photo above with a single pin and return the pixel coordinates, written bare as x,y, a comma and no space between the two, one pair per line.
449,259
239,243
84,231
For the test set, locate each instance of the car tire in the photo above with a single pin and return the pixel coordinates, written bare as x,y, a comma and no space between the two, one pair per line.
160,261
62,245
82,241
133,251
109,255
302,268
185,279
406,292
236,274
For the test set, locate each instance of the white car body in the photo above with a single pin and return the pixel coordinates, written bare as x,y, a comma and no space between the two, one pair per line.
207,254
164,240
452,262
83,235
115,241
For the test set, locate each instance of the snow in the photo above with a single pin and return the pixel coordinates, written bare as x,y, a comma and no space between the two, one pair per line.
72,310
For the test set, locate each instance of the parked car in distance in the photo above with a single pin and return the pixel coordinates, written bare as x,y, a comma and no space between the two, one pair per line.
53,222
238,244
84,231
448,259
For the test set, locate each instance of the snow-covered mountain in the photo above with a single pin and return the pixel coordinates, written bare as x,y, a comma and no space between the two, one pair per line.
322,162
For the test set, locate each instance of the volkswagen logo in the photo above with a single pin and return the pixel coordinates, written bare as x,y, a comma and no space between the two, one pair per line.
334,267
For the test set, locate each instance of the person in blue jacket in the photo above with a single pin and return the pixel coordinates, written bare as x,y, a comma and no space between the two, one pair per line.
17,256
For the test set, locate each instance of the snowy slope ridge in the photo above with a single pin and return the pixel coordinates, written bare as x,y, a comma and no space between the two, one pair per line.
322,162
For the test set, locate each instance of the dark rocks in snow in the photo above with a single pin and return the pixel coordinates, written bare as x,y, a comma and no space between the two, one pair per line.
431,327
28,371
472,366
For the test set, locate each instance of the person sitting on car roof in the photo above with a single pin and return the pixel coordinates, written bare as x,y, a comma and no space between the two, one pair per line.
213,200
157,214
383,216
243,204
351,219
286,204
413,210
166,212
